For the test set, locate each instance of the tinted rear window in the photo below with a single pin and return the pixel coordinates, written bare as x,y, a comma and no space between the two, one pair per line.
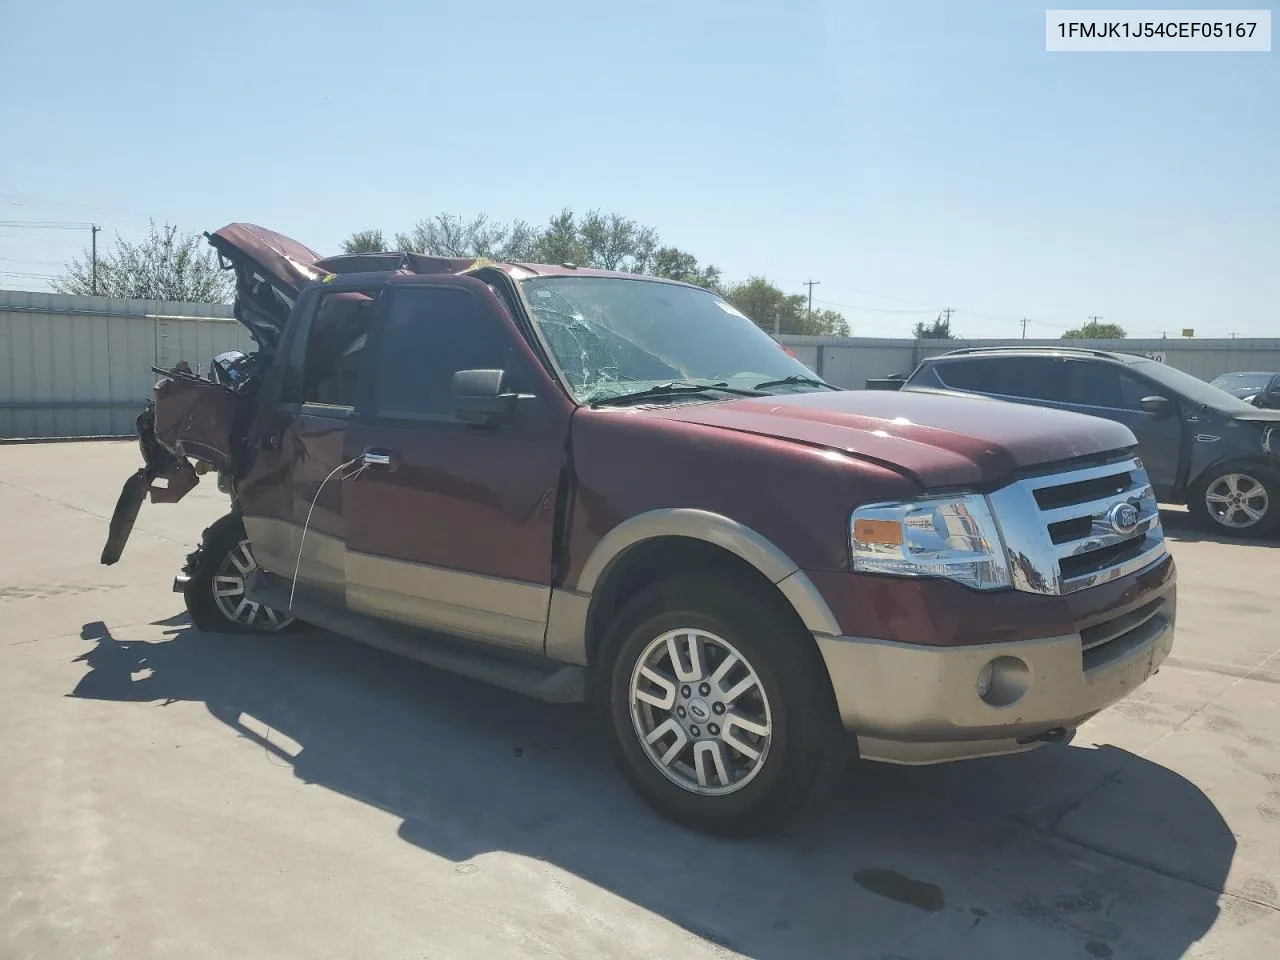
1029,378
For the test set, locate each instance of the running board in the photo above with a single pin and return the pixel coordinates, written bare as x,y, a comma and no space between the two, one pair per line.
531,675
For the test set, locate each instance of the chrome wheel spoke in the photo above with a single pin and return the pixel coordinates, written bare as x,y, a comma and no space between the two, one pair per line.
686,656
1217,497
710,751
730,661
1253,515
668,727
739,688
225,586
664,701
243,559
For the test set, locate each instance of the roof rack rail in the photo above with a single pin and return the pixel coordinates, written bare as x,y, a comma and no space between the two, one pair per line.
1086,350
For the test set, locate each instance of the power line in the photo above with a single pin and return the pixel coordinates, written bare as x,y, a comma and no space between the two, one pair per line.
45,224
853,306
38,263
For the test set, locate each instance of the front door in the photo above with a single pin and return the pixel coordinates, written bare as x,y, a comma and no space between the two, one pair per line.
292,498
1107,390
452,527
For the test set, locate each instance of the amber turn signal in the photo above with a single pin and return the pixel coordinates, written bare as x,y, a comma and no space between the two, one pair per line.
887,532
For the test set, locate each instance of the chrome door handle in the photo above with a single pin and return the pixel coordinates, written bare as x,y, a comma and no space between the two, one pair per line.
377,458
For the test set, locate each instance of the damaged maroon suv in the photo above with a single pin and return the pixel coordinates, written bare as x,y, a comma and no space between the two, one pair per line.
586,485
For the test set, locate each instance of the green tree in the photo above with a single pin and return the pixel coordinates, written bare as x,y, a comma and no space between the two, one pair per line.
449,235
166,265
766,304
608,241
365,241
940,329
1096,330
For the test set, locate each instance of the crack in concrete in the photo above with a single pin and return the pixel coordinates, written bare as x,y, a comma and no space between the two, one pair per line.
79,509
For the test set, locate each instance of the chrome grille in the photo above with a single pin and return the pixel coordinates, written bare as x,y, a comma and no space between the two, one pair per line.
1076,529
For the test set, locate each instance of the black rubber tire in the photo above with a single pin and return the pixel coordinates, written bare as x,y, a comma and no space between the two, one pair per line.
808,748
1263,474
222,536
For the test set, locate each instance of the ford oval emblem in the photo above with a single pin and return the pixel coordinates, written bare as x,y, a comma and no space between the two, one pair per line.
1123,518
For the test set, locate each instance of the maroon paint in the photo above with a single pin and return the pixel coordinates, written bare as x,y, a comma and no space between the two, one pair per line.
941,613
939,441
630,462
476,499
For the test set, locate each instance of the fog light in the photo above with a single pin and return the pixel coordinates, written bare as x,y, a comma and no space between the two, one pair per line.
1003,681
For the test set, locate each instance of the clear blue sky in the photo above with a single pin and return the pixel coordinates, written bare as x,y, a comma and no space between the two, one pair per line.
909,155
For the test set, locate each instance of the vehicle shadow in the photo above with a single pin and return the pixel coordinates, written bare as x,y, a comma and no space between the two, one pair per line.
1180,527
989,853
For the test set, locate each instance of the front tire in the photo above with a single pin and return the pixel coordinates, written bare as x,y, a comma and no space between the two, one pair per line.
718,706
215,593
1241,500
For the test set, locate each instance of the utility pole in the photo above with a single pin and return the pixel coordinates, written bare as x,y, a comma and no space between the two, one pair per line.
1024,327
93,232
811,284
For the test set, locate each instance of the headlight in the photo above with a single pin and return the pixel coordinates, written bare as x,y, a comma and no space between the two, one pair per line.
951,537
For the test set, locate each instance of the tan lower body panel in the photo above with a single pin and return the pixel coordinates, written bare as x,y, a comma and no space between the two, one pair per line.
911,703
506,612
321,562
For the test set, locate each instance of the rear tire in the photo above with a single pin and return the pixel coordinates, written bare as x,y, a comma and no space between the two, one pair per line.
1237,499
684,726
218,570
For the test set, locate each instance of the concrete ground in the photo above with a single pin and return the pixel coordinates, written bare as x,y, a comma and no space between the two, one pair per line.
167,793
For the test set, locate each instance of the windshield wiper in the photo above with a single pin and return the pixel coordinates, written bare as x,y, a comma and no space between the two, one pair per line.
674,388
810,381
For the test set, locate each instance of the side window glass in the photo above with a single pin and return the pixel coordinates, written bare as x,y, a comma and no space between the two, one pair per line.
335,354
1132,390
1035,378
976,375
1095,385
431,333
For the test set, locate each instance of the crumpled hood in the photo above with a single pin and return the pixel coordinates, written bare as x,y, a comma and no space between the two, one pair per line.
938,440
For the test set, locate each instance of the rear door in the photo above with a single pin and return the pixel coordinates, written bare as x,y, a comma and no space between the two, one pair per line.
292,497
455,532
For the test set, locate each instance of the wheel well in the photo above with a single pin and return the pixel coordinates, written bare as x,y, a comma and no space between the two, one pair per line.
1256,464
666,557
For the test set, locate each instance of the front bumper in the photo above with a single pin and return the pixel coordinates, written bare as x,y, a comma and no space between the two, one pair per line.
915,704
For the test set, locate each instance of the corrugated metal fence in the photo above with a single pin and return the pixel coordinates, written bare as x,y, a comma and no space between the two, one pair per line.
850,362
81,366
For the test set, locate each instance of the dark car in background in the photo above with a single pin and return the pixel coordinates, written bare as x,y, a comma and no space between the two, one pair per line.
1258,388
1200,445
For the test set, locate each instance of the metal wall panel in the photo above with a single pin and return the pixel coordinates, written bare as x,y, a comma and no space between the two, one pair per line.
850,362
81,366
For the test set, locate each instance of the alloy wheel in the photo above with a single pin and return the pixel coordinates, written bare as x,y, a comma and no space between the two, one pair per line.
1237,500
229,583
700,711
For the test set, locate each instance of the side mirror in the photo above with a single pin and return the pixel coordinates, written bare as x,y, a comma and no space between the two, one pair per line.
478,396
1156,405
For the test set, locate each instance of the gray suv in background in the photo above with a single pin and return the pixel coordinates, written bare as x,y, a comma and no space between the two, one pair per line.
1200,445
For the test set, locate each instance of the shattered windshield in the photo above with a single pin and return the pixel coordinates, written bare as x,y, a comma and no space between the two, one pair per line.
613,335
